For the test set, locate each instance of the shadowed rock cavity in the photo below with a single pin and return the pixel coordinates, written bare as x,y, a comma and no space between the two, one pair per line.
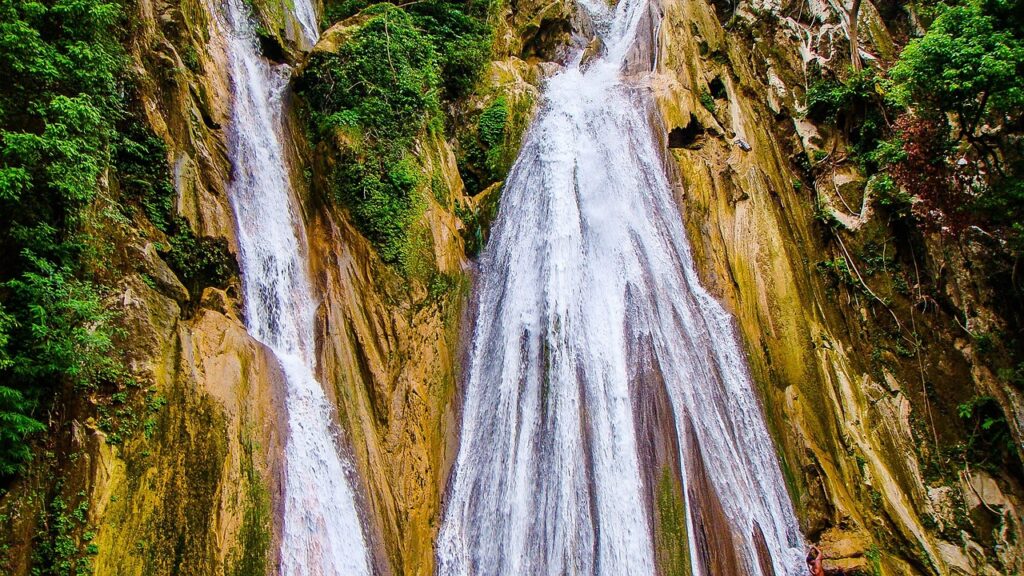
717,89
690,136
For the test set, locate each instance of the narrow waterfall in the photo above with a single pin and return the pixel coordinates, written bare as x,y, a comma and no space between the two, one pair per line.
588,300
321,533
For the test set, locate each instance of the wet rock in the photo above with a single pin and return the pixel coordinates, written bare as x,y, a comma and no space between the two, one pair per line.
595,49
160,274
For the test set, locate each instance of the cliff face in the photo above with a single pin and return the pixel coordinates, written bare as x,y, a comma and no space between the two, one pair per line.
861,392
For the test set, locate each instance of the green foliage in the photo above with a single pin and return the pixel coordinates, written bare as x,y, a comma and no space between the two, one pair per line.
68,327
893,197
456,30
838,272
491,126
461,37
61,98
488,144
942,148
491,132
707,101
852,106
143,173
990,441
829,99
966,63
384,80
15,426
1003,204
392,77
381,89
969,66
63,547
200,261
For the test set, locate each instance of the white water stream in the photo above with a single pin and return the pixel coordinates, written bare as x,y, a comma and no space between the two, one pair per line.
589,257
321,533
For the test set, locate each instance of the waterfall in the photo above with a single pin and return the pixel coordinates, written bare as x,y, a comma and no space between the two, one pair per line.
588,275
321,533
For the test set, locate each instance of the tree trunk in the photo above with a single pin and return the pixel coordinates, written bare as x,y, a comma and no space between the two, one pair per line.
851,30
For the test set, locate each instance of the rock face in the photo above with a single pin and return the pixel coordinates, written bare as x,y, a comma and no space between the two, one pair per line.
863,426
857,437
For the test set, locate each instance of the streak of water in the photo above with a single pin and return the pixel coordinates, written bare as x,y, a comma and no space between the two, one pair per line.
588,257
321,534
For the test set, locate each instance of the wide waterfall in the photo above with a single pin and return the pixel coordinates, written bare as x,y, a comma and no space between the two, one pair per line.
588,302
321,533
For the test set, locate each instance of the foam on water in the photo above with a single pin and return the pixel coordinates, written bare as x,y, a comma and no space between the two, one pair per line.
321,531
587,256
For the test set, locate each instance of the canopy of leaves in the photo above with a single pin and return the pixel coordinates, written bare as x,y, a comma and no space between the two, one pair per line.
969,66
61,64
967,63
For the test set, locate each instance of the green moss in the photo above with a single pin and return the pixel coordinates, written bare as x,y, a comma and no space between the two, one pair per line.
252,553
673,550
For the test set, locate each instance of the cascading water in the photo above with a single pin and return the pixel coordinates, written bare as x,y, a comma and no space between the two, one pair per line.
321,533
588,258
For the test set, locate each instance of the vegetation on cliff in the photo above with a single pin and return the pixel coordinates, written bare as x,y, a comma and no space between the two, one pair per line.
940,136
916,164
940,131
74,161
59,105
381,88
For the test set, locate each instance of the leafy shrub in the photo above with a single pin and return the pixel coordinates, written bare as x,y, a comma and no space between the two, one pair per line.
64,547
457,31
199,262
384,80
68,328
140,158
707,101
966,63
382,88
850,105
61,100
392,74
491,131
969,66
381,193
990,442
461,37
829,100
